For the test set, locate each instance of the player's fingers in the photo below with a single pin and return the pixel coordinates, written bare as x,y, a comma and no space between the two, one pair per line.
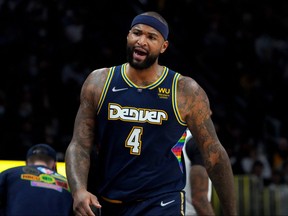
94,201
95,210
85,211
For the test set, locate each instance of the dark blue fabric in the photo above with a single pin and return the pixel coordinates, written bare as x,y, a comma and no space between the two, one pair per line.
34,190
169,204
128,173
153,22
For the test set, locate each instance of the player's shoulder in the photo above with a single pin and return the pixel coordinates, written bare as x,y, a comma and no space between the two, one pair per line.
96,77
189,90
12,170
187,82
100,72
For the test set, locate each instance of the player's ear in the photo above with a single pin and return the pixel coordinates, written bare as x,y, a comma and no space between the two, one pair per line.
164,46
128,34
54,167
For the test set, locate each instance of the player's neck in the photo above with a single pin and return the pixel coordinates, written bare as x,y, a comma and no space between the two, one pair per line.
39,163
144,77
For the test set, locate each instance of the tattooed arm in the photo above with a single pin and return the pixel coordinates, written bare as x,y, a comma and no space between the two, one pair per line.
194,107
77,156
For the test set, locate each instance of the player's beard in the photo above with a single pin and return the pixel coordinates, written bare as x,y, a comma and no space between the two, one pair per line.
150,59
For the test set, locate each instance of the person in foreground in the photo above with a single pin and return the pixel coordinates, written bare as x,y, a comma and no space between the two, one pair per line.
137,114
198,187
36,188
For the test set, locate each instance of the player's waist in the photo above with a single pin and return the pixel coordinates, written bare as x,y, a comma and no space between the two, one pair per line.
114,201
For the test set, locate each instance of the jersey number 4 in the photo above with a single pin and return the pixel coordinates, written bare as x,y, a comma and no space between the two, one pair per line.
133,140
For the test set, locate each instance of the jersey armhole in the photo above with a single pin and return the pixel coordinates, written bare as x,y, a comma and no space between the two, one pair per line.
174,100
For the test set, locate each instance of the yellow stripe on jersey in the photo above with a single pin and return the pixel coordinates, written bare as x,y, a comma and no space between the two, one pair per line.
174,100
105,88
160,80
151,86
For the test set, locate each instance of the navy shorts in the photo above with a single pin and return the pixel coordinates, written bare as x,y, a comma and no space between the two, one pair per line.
169,204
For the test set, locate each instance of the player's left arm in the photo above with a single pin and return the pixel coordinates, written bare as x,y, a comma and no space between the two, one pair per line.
194,107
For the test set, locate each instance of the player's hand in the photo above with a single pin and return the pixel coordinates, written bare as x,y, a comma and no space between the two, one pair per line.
85,203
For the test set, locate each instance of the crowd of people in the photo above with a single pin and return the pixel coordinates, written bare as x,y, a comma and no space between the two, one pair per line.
236,50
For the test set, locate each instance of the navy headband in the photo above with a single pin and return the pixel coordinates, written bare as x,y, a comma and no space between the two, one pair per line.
153,22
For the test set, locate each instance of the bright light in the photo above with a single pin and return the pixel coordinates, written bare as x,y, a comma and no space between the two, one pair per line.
6,164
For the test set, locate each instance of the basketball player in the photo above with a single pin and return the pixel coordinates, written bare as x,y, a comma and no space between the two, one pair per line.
137,114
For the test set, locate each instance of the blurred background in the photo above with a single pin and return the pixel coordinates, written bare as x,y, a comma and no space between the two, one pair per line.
236,50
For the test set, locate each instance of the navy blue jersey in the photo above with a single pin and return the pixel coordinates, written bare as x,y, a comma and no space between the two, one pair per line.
141,135
34,190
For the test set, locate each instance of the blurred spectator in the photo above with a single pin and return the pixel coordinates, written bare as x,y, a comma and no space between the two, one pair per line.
285,171
254,157
36,188
276,179
257,171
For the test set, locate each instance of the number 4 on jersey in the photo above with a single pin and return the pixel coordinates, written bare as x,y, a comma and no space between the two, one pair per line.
133,140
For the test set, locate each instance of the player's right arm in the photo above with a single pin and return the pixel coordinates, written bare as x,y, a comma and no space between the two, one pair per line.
77,156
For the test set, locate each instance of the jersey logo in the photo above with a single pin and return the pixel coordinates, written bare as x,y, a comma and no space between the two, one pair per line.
133,114
163,93
166,203
114,89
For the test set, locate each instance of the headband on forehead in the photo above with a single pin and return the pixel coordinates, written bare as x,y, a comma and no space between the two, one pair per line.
153,22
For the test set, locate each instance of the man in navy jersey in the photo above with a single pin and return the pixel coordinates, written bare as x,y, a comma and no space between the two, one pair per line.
37,188
136,115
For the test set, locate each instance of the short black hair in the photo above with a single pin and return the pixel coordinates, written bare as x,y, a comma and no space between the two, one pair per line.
42,150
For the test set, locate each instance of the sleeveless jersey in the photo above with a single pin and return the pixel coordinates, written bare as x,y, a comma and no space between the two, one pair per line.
140,137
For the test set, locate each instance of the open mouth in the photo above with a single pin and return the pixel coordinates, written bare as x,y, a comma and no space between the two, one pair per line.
139,54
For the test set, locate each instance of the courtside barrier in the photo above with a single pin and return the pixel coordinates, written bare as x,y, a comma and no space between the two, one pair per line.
255,199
